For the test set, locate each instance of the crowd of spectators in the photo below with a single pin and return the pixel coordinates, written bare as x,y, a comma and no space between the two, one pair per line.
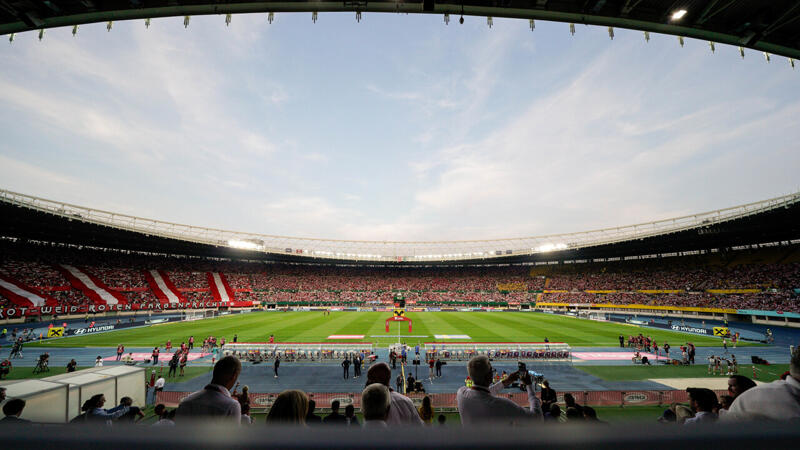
691,278
481,402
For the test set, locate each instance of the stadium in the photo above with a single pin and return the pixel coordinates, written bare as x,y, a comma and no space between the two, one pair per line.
624,321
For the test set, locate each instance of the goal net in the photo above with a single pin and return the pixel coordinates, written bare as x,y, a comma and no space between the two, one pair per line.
198,315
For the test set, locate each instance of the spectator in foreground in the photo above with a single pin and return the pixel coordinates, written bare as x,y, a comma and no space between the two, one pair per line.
549,395
311,418
779,400
214,400
376,401
702,401
289,408
246,419
426,411
478,404
738,384
164,417
12,410
134,413
402,411
350,415
441,419
94,411
334,418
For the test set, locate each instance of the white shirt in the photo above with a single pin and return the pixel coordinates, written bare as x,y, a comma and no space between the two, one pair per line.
160,383
479,405
779,400
700,418
213,401
402,411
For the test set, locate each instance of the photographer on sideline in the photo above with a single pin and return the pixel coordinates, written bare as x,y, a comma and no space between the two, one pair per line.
478,403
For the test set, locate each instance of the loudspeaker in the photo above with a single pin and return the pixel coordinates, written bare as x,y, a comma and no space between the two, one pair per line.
427,5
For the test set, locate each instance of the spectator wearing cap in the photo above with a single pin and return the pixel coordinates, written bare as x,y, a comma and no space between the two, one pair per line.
703,402
214,400
779,400
402,411
479,404
12,410
376,401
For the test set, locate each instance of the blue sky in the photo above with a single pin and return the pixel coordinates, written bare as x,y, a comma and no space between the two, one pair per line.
395,128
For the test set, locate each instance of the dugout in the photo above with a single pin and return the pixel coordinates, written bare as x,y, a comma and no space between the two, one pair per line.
45,401
511,351
82,385
298,351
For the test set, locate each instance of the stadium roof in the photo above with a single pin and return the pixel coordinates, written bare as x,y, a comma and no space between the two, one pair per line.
29,217
770,26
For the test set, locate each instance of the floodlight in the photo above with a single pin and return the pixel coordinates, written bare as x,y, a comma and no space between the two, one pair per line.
678,15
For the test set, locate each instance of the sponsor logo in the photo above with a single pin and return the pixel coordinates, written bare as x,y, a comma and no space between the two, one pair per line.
635,398
263,401
689,329
93,329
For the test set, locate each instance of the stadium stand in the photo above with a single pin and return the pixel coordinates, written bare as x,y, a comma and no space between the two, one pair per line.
752,280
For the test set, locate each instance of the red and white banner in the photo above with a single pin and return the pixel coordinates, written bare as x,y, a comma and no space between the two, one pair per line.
220,288
162,286
21,294
90,285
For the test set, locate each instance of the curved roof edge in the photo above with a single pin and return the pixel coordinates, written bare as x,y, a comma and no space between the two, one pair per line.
748,36
394,251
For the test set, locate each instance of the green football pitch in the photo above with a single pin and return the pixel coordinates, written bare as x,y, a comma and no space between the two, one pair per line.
315,327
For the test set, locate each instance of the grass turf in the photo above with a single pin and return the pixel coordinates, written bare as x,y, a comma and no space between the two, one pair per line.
634,373
301,326
24,373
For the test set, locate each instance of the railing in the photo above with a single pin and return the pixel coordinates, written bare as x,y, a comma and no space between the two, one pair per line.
448,400
393,251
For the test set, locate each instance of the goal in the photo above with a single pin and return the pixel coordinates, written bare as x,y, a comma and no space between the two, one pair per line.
198,315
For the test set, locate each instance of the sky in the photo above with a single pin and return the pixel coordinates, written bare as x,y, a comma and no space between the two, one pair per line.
395,128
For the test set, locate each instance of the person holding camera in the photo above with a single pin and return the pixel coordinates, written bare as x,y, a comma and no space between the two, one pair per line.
479,404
